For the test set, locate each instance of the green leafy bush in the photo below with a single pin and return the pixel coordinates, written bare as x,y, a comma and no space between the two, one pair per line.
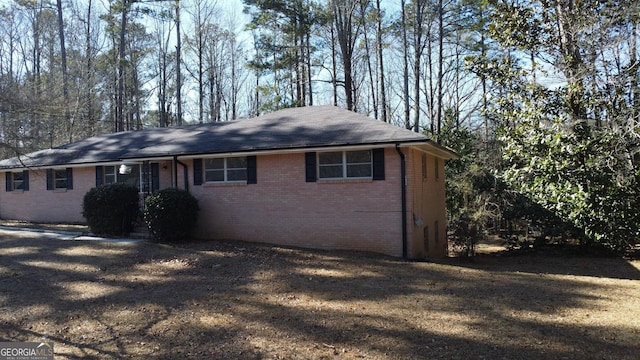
111,209
580,176
171,214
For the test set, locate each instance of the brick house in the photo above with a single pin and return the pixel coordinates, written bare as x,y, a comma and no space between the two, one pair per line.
317,177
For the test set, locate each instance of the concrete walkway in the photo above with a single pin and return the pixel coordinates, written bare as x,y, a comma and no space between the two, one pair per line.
59,234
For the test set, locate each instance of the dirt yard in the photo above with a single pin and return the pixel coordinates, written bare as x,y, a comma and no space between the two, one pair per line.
233,300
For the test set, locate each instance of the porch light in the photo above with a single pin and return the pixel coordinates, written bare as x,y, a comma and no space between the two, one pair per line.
124,169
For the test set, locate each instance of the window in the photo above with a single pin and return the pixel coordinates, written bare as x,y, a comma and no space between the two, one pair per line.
345,164
128,174
145,177
225,169
17,181
110,176
220,170
424,166
437,168
58,179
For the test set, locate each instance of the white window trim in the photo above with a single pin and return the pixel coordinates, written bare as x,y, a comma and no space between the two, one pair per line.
114,174
344,166
225,169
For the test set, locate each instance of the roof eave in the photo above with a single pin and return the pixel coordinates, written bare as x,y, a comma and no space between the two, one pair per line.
301,149
435,149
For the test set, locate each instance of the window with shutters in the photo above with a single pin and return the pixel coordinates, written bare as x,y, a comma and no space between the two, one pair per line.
18,181
223,170
229,169
345,164
60,179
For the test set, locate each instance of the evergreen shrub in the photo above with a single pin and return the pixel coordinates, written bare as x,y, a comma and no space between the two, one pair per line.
171,214
111,209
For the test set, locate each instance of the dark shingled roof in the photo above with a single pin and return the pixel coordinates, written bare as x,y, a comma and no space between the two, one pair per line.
288,129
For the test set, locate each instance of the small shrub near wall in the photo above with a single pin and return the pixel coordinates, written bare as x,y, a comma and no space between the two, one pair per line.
171,214
111,209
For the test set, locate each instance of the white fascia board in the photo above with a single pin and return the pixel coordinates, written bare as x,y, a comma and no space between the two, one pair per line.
435,150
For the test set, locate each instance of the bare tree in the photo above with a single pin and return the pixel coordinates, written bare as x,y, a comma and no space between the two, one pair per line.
202,14
178,65
346,33
381,76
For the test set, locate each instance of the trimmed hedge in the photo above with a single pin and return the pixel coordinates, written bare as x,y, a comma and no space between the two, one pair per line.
111,209
171,214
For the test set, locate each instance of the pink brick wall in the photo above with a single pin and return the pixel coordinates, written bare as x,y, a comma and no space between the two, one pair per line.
42,205
50,206
284,209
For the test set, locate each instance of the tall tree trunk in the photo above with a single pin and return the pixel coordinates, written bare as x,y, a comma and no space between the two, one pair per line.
383,91
430,85
234,78
200,54
120,97
417,55
368,59
572,60
91,119
65,76
178,66
440,65
308,58
137,124
343,16
405,61
37,79
162,89
485,95
334,70
299,65
634,76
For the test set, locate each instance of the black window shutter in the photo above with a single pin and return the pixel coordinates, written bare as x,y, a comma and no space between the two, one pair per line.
378,164
99,175
8,178
252,171
197,171
69,179
49,179
310,166
155,177
25,180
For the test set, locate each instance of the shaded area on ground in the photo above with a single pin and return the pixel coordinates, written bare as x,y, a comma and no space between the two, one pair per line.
224,299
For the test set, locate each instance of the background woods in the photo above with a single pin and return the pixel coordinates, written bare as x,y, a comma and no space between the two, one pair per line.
540,97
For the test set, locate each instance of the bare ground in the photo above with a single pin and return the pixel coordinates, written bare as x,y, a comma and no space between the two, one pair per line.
234,300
